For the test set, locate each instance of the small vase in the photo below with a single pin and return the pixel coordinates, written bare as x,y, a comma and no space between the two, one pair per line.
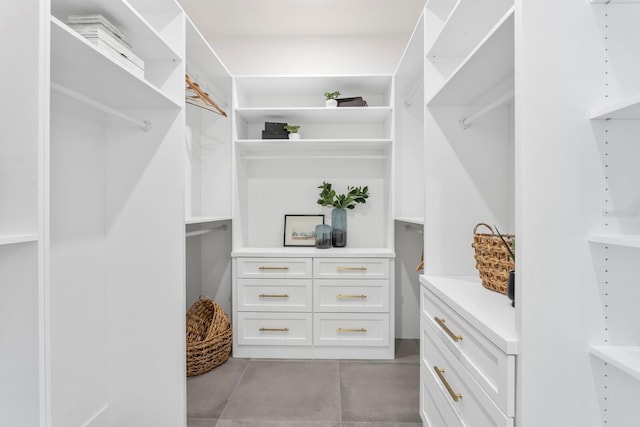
330,103
323,236
339,228
511,288
294,136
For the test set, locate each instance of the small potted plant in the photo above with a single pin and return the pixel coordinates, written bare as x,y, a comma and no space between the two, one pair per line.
341,202
331,99
293,131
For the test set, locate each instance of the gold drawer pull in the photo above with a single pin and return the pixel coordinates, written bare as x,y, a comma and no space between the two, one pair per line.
274,329
351,268
272,268
453,336
455,396
340,330
340,296
273,296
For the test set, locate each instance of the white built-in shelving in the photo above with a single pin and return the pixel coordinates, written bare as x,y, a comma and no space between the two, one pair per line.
344,146
632,241
469,153
96,222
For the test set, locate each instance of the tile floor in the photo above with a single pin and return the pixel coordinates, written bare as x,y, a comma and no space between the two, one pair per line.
309,393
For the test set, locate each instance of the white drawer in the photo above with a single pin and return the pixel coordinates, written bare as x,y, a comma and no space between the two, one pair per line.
493,369
273,267
273,328
332,295
351,329
338,268
435,410
474,406
274,295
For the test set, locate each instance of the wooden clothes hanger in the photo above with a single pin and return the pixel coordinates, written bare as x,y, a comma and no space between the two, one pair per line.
199,98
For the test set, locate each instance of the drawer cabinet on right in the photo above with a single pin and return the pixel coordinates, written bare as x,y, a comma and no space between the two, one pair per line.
468,354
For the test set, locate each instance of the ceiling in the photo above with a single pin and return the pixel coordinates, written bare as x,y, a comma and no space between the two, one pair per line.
303,18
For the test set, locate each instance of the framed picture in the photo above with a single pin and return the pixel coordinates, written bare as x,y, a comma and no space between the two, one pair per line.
300,230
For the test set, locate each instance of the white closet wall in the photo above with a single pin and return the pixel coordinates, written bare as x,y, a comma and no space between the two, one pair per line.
21,214
578,212
409,181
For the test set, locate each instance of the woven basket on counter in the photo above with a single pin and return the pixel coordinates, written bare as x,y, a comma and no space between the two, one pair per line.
492,258
209,336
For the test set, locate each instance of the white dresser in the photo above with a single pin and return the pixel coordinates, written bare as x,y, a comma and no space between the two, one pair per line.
314,306
468,354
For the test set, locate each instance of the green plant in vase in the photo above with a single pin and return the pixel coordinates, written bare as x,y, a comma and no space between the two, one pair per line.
293,131
331,98
340,203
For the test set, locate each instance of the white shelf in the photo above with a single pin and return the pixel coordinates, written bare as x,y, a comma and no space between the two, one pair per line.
466,26
284,148
205,219
625,358
348,85
287,252
11,239
411,220
487,67
628,109
79,66
145,40
629,240
316,114
490,312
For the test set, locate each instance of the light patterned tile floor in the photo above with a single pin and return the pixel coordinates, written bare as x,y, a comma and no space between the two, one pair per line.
325,393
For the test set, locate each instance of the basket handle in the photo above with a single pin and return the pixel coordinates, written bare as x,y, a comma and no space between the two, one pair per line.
486,225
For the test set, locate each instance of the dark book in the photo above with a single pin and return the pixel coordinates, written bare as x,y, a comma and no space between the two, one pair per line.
356,101
275,127
274,135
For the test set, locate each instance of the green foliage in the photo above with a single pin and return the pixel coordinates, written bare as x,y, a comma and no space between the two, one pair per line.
292,128
510,247
354,195
332,95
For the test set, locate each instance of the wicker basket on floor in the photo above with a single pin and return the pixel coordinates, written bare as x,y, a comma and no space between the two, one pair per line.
209,336
492,258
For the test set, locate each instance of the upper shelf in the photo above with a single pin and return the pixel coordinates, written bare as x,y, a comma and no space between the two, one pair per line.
146,42
628,109
489,66
467,24
12,239
316,114
78,65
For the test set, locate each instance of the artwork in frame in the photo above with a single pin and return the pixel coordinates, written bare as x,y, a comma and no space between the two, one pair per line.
300,230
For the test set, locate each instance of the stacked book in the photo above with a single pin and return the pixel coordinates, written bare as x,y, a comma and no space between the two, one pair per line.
97,29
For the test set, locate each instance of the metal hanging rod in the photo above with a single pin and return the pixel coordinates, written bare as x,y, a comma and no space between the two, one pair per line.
465,122
145,125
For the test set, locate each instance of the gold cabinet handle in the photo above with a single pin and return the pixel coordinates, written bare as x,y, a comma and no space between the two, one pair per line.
351,268
274,329
340,296
453,336
455,396
272,268
273,296
339,330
